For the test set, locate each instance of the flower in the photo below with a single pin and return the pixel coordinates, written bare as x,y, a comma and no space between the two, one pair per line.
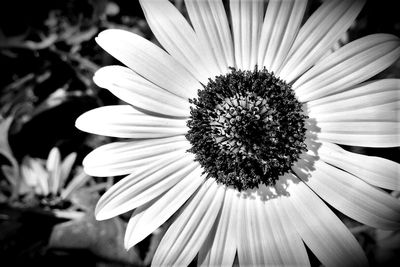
234,132
47,179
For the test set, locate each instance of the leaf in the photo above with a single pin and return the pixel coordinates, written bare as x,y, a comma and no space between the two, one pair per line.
5,150
102,238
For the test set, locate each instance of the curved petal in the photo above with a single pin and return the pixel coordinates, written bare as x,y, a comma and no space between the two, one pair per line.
139,92
261,236
178,38
364,140
348,66
251,247
185,236
148,217
370,115
281,25
121,158
247,17
323,232
210,22
374,170
352,196
66,167
126,122
291,247
265,240
318,34
220,247
135,190
53,166
360,127
149,61
366,95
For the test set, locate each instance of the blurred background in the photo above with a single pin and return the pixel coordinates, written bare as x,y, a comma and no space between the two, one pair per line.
47,59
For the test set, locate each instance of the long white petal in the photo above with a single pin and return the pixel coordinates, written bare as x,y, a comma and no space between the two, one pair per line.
220,247
178,38
371,114
247,17
360,127
187,233
135,190
374,170
139,92
147,218
365,140
323,232
351,196
318,34
149,61
348,66
291,247
126,122
121,158
66,167
281,25
53,166
366,95
249,249
210,22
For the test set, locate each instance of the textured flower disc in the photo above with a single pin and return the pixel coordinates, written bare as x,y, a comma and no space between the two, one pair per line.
246,128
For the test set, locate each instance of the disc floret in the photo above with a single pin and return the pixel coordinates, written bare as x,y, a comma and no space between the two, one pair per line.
246,128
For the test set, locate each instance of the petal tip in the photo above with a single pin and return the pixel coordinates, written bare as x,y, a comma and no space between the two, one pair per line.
100,213
81,122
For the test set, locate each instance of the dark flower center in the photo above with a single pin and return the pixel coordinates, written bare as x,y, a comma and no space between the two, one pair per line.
246,128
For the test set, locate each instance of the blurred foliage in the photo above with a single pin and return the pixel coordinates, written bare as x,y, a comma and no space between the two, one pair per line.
48,57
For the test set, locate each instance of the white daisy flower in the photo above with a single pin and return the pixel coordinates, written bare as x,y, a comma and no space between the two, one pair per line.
233,131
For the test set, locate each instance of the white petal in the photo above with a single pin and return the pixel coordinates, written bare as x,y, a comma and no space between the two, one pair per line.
247,17
66,167
36,175
281,24
178,38
53,159
318,34
364,96
126,122
53,165
364,140
149,61
323,232
254,245
135,190
360,127
348,66
121,158
371,114
187,233
290,245
374,170
147,218
210,22
74,184
220,247
139,92
352,196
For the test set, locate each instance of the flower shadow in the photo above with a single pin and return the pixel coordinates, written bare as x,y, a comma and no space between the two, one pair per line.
301,170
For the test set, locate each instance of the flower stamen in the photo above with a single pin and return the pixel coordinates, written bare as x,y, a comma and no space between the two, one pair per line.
246,128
